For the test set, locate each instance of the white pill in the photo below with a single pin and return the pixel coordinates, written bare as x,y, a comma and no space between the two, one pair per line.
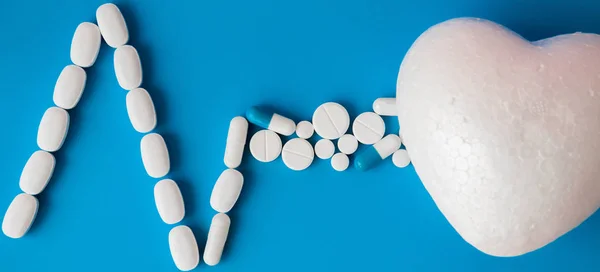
169,201
265,146
368,128
217,237
347,144
85,44
128,67
53,129
385,106
305,130
297,154
155,155
112,25
184,248
37,172
236,141
331,120
19,215
227,190
340,162
324,149
400,158
69,86
140,109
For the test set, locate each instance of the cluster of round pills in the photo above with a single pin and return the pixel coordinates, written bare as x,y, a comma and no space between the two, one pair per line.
330,121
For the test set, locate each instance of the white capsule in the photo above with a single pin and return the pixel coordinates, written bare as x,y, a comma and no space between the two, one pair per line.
272,121
112,25
69,86
37,172
297,154
324,149
184,248
236,141
19,215
331,120
400,158
155,155
85,44
265,146
368,128
347,144
169,201
340,162
128,67
217,237
305,129
372,155
226,191
53,129
385,106
140,109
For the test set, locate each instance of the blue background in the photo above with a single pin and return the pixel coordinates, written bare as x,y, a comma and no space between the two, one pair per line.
206,62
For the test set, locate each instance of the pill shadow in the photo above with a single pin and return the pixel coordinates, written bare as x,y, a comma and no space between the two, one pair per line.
187,188
175,155
200,234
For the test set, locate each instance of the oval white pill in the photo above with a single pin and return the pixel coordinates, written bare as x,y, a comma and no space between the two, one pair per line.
368,128
236,141
169,201
85,44
297,154
217,237
128,67
69,87
400,158
37,172
155,155
347,144
184,248
331,120
19,215
324,149
385,106
53,129
140,109
304,130
226,191
265,146
112,25
340,162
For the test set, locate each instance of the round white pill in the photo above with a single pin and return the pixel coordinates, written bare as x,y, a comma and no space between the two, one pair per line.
265,146
305,130
297,154
368,128
331,120
324,149
400,158
340,162
347,144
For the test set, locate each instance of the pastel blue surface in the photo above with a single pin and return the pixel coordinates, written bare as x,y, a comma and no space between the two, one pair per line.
206,62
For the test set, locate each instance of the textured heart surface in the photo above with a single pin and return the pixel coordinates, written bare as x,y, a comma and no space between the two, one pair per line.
504,133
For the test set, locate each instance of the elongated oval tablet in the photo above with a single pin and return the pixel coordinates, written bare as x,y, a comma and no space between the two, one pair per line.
69,86
184,249
331,120
19,215
227,190
112,25
140,109
169,201
37,172
236,141
128,67
155,155
217,237
85,44
53,129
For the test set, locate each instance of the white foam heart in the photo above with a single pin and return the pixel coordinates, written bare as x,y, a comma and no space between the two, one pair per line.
504,133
